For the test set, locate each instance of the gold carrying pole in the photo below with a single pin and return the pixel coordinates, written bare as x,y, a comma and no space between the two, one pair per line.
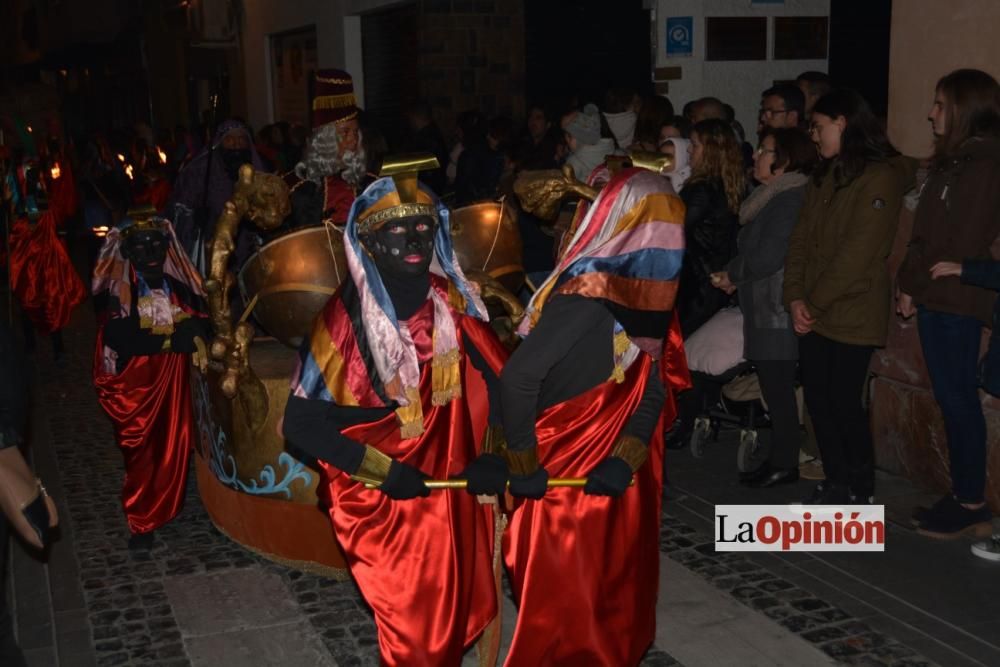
554,483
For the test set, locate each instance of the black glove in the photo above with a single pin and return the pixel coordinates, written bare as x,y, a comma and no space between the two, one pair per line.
610,477
404,482
487,475
182,340
532,485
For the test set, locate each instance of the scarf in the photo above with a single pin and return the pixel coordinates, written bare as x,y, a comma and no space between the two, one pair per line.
764,193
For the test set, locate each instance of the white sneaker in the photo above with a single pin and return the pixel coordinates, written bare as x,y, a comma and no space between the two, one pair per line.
990,549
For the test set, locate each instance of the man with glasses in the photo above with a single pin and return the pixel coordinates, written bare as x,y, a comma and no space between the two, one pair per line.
781,106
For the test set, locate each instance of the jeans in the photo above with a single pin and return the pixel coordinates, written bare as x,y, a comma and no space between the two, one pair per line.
951,351
777,385
833,378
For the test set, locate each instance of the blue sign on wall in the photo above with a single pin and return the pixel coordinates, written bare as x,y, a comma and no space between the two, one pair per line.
680,31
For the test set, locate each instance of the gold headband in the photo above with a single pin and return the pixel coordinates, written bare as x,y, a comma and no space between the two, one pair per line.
379,218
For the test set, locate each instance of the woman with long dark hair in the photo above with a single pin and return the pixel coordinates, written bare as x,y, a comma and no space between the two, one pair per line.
837,284
712,196
957,220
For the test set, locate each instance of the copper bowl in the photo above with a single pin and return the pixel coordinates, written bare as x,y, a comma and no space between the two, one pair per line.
486,238
292,278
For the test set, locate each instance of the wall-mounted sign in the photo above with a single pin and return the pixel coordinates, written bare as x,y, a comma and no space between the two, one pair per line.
680,31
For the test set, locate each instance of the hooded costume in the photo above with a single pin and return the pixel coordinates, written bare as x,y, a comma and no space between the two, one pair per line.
583,397
384,379
142,381
204,186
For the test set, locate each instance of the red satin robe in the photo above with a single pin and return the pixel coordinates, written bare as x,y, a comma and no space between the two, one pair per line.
424,565
42,275
338,196
584,569
149,404
63,197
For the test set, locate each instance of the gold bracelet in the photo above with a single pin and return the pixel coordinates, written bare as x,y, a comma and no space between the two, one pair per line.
374,467
494,441
632,450
522,462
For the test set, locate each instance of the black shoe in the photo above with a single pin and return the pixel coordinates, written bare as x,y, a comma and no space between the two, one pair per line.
921,513
828,493
953,520
140,541
773,477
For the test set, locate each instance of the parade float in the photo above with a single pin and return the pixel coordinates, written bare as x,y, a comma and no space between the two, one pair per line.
255,491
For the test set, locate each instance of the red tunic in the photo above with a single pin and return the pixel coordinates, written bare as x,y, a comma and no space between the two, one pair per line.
585,568
42,275
424,565
149,404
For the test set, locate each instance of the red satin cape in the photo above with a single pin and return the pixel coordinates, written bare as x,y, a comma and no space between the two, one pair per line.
149,404
424,565
674,371
42,275
584,569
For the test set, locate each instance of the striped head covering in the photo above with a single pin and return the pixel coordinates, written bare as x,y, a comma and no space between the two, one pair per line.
113,271
396,372
626,252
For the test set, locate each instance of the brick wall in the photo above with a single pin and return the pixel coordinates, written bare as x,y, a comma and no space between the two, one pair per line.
471,56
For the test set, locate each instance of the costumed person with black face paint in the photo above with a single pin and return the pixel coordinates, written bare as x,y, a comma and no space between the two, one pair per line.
156,316
42,277
582,397
323,185
205,185
387,392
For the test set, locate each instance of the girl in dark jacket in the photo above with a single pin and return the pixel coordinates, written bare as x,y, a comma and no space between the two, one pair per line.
837,285
781,166
712,196
958,218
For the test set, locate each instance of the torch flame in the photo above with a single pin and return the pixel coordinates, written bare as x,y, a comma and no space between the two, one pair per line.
101,231
121,158
162,154
128,171
55,171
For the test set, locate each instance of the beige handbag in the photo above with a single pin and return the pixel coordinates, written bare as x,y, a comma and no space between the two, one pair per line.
28,507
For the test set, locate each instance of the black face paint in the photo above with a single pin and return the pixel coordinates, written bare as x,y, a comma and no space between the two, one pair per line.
147,250
233,159
404,247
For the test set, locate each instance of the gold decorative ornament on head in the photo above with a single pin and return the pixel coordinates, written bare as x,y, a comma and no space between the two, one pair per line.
144,219
408,200
657,163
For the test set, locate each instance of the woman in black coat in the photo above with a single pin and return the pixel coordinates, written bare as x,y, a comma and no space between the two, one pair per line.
712,196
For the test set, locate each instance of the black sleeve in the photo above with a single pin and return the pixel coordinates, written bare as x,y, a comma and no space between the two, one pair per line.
647,414
314,427
566,319
491,379
128,339
13,391
982,273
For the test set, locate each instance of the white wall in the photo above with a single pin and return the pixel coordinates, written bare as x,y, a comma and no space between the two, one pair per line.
738,83
267,17
338,37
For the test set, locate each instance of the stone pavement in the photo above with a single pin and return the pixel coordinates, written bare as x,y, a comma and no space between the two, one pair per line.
199,599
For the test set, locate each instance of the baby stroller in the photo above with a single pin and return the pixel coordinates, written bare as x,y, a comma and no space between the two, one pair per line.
725,393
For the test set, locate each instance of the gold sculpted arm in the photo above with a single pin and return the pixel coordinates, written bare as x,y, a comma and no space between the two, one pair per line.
541,192
263,198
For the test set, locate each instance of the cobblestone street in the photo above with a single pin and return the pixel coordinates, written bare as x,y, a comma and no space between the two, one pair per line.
199,599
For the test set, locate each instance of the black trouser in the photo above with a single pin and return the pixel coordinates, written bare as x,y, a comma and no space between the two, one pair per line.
10,654
777,385
833,378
